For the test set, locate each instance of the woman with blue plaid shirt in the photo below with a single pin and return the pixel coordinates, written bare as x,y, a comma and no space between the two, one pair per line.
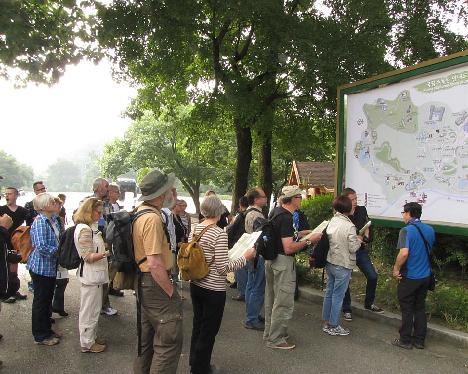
42,264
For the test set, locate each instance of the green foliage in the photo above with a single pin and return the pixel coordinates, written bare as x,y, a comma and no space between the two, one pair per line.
318,209
450,302
40,38
63,175
14,173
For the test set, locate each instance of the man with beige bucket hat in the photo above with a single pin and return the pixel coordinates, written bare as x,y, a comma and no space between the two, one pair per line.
161,305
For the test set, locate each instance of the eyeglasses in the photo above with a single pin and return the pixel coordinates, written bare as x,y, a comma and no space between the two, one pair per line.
40,189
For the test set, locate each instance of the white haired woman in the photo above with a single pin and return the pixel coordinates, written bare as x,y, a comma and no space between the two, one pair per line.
209,294
42,264
92,272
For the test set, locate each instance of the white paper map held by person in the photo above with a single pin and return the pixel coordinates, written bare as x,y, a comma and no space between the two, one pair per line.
318,229
245,242
408,142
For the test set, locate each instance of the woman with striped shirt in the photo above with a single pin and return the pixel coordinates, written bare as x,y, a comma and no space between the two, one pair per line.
209,294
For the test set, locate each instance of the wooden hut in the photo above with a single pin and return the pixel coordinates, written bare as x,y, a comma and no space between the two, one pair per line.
314,177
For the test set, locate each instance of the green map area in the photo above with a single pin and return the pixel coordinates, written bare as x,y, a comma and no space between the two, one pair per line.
399,114
384,154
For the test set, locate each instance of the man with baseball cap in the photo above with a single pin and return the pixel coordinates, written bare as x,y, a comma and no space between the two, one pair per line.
161,305
280,273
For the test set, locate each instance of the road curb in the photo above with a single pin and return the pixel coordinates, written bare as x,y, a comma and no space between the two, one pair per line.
458,339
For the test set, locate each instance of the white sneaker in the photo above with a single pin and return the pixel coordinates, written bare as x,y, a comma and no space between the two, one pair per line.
338,330
348,316
109,311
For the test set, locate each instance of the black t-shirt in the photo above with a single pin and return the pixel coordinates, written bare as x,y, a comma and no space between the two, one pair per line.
18,216
283,224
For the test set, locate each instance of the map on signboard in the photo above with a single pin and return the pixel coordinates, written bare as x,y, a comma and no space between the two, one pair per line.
409,142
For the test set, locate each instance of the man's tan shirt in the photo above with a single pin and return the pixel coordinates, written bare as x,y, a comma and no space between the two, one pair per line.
149,238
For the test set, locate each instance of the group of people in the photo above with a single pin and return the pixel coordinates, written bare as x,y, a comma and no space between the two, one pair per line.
265,285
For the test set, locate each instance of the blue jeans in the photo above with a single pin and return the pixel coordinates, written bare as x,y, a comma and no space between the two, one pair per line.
241,279
364,264
254,291
338,281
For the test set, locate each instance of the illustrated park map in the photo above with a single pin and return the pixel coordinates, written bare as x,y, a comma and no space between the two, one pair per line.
409,142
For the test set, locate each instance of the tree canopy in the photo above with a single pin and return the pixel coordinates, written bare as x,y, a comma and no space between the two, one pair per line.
14,173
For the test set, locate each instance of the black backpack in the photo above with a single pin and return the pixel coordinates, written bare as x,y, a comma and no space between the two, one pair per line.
318,257
237,228
267,244
67,253
119,237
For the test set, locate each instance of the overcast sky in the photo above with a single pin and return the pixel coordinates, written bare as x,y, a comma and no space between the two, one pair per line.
40,124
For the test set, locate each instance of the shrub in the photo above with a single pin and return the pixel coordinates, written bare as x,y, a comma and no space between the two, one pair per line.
318,209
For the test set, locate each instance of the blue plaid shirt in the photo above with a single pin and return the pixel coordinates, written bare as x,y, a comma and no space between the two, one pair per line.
42,260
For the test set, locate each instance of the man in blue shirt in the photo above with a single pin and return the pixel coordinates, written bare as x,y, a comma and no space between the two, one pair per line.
413,270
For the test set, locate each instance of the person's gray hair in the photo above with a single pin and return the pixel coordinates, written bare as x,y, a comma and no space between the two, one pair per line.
211,207
97,183
43,200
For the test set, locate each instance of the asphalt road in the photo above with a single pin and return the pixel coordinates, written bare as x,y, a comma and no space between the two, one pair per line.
237,350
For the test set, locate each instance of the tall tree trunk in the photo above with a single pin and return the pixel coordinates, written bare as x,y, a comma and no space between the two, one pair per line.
244,158
265,170
193,188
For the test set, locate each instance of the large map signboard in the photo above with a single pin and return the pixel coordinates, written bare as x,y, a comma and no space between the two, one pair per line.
407,140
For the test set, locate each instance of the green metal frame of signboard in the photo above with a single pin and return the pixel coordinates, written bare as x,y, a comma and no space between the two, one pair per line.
376,82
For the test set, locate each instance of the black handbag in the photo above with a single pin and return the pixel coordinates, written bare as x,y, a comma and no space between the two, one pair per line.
432,279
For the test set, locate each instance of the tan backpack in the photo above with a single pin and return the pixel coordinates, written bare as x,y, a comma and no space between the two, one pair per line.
21,242
191,259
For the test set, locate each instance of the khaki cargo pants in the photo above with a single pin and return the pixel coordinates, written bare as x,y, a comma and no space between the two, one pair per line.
161,329
280,275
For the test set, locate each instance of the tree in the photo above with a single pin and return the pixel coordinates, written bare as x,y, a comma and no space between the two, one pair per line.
63,175
172,141
14,173
38,39
256,58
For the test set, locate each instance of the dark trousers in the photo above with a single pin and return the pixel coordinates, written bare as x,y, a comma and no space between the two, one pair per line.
58,303
13,284
364,264
42,306
208,309
411,295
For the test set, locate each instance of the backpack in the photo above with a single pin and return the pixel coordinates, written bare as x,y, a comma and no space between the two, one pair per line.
67,253
318,257
21,242
237,228
191,259
268,241
119,236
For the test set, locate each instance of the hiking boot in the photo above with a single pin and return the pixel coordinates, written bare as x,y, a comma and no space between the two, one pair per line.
50,341
9,300
283,346
347,316
337,331
398,343
109,311
374,308
100,341
95,348
19,296
418,345
61,313
238,298
255,326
